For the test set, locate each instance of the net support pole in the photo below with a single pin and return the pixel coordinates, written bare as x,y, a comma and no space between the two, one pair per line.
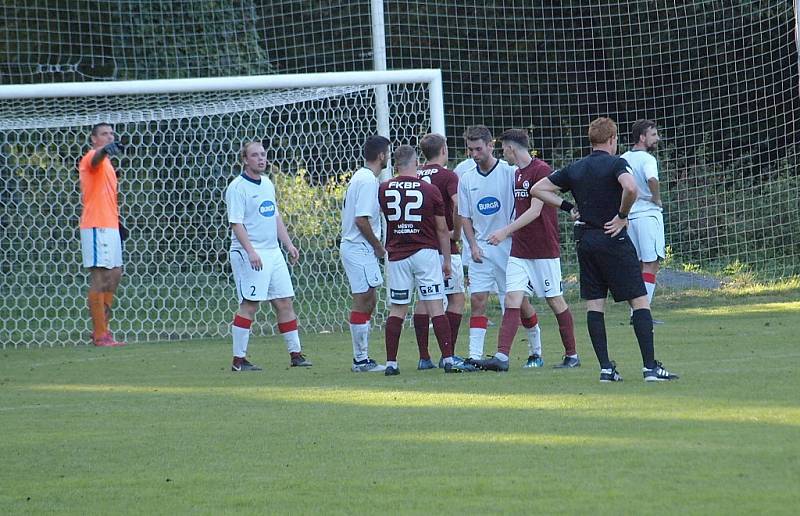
379,65
797,33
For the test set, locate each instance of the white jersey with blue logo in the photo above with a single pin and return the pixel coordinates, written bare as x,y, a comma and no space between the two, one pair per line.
487,198
252,204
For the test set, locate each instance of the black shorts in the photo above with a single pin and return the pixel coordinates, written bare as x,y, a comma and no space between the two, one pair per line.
608,263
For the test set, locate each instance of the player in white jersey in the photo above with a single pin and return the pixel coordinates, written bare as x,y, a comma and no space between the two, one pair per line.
486,204
259,268
645,221
361,248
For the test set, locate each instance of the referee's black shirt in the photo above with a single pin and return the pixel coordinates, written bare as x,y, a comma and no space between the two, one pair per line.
593,182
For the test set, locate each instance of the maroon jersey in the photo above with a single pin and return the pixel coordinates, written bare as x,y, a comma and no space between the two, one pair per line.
540,238
447,182
410,206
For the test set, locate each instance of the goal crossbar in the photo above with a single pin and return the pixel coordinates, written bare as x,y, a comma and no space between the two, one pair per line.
432,77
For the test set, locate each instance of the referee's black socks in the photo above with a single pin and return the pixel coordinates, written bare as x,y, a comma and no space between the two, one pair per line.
596,322
643,328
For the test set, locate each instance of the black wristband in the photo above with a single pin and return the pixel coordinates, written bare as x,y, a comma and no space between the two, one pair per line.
567,206
621,215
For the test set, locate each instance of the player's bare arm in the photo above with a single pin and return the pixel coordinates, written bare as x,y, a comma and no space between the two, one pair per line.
629,192
252,256
469,232
444,245
655,191
283,238
523,220
547,192
362,223
455,235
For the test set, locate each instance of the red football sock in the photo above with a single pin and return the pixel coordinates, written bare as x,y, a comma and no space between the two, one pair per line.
508,330
566,328
394,325
421,322
530,322
442,330
455,323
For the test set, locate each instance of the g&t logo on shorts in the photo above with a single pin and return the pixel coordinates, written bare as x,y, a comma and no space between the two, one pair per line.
429,290
488,206
267,209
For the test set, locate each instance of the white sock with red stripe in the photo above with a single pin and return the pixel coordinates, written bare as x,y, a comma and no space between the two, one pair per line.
477,335
359,333
649,285
290,335
241,335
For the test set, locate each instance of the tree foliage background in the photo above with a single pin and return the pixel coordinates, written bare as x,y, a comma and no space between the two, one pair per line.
719,77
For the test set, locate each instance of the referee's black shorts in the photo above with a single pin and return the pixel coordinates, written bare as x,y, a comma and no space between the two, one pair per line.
608,263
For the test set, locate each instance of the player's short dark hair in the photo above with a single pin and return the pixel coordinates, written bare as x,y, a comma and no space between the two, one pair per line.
432,144
601,130
247,146
640,127
96,127
375,145
478,132
518,136
404,156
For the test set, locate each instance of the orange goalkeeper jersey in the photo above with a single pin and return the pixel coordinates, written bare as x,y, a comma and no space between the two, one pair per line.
98,193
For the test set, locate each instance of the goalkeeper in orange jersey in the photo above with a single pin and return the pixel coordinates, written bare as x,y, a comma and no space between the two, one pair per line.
101,241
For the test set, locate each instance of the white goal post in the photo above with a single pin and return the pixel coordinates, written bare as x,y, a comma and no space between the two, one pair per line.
182,139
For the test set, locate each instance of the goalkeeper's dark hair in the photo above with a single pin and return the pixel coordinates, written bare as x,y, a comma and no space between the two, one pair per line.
96,127
640,128
517,136
405,156
432,144
374,146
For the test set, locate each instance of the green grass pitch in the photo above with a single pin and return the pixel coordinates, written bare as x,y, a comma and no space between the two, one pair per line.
166,428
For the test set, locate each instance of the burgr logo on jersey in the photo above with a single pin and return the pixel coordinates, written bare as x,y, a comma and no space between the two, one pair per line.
488,206
267,209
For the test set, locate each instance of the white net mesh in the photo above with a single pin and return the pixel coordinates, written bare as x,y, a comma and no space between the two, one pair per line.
182,150
719,78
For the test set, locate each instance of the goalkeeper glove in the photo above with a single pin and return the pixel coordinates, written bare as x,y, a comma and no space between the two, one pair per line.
112,149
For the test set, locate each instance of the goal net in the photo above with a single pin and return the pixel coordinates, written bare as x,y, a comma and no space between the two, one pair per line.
182,149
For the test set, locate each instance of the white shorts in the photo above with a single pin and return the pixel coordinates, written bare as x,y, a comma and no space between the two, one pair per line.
647,235
490,274
540,276
361,266
455,283
271,282
101,247
421,271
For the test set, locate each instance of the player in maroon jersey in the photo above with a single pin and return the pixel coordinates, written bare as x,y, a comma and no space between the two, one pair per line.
416,233
434,148
534,265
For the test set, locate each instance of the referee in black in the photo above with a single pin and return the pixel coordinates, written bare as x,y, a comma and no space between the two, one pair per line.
605,189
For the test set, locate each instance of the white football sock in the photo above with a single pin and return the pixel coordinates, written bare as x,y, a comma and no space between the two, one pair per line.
651,289
241,337
360,337
534,340
476,338
292,339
